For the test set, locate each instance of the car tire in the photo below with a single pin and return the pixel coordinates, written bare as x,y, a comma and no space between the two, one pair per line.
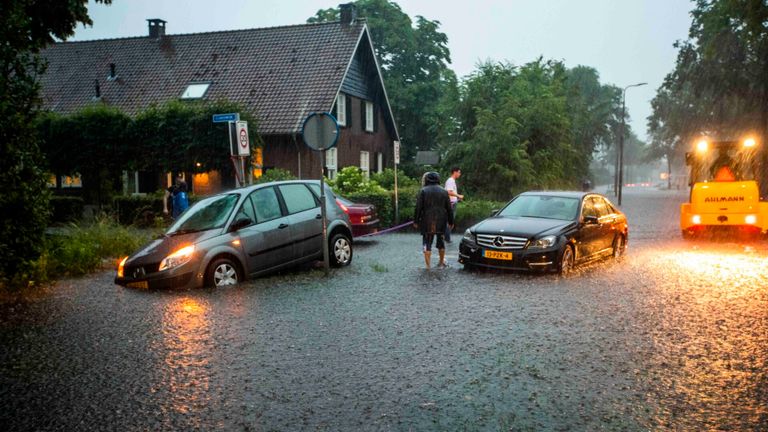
567,260
687,235
619,247
222,272
340,250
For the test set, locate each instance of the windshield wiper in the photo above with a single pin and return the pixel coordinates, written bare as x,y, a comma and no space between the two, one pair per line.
183,231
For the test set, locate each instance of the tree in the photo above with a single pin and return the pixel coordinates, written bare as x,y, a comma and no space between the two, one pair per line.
414,58
26,26
720,81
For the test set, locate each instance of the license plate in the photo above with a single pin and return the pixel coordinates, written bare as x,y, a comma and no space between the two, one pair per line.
141,285
498,255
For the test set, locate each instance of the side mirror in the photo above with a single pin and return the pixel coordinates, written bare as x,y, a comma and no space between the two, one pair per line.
240,223
494,212
590,220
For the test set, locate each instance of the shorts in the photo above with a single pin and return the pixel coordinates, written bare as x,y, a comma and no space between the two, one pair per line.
427,241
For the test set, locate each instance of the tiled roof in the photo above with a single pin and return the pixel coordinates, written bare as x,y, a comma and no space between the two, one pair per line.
280,73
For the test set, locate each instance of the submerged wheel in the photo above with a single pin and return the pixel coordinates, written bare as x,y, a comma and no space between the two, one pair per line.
619,247
340,252
223,272
566,261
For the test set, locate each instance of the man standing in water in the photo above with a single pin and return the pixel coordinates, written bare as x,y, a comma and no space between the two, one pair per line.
453,192
433,214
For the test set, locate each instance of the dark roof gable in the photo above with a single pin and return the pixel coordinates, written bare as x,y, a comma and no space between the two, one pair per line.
279,73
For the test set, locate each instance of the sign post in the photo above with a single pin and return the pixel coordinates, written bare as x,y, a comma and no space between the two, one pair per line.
239,145
320,132
397,161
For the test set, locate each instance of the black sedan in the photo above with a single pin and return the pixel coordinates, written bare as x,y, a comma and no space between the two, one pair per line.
547,231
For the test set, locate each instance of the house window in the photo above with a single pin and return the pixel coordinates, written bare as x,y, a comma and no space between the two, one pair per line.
331,162
379,162
341,109
195,91
365,164
368,116
74,181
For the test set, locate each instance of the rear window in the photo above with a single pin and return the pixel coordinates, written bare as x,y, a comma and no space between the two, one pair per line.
298,198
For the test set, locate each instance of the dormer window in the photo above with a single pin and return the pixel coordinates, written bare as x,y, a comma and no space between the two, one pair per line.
195,91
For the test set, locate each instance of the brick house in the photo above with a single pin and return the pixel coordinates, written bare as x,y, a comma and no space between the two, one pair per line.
279,74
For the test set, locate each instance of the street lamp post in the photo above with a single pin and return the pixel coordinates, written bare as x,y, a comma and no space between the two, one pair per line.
620,177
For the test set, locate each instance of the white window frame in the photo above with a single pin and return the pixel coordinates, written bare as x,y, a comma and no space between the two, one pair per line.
341,109
331,162
368,116
365,164
379,162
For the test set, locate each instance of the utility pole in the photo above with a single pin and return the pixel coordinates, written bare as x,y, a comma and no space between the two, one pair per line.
620,177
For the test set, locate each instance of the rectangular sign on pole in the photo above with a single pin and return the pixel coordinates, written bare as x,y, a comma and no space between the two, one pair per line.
223,118
243,146
397,152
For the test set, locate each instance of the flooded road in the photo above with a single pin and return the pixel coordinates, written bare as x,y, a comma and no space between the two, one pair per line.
675,337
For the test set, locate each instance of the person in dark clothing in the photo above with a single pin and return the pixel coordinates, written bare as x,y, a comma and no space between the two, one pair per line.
433,214
178,195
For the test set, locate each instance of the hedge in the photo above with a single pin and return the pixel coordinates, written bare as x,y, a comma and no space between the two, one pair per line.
66,209
142,210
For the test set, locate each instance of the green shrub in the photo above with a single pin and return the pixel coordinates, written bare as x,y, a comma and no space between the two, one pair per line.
386,179
470,212
275,174
406,199
350,180
80,249
138,209
66,209
381,199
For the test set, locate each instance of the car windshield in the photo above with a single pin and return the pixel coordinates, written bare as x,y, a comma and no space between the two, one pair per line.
542,206
207,214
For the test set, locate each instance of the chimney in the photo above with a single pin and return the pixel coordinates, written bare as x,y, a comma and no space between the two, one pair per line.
156,28
348,13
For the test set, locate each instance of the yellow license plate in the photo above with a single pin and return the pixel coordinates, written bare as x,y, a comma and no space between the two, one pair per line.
498,255
142,285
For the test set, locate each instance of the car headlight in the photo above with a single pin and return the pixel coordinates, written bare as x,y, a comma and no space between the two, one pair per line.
181,256
469,236
121,267
544,242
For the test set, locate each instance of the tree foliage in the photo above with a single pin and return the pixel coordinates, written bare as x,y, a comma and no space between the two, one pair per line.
101,141
720,82
533,126
26,26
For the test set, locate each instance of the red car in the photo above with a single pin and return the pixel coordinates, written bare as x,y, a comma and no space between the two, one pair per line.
363,216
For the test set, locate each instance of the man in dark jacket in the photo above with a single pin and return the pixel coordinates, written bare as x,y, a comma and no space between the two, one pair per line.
433,213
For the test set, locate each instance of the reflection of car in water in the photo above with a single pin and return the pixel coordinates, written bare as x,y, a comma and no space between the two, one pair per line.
546,231
225,238
725,194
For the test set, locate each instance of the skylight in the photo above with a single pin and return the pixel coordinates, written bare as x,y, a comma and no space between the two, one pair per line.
195,91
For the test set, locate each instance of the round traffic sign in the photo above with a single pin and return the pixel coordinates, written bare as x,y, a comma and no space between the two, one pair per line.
320,131
243,138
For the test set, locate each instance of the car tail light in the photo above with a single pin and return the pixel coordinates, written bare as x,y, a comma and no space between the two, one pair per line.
342,206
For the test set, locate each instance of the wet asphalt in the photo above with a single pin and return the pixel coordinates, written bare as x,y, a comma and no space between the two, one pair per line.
674,337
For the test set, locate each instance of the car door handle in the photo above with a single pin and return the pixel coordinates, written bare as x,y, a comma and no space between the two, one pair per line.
319,216
282,225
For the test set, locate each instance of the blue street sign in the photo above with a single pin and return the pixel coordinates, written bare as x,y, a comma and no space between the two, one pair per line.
223,118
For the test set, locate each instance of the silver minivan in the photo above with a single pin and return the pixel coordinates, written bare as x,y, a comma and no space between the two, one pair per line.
226,238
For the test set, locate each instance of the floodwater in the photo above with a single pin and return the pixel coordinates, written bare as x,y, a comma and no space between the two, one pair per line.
674,337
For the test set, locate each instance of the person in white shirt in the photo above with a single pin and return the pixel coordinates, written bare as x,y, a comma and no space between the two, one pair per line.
453,193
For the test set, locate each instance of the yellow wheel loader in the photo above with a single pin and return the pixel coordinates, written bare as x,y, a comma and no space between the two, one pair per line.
724,195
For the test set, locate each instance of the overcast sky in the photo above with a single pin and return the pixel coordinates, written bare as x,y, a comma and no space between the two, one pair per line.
627,41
